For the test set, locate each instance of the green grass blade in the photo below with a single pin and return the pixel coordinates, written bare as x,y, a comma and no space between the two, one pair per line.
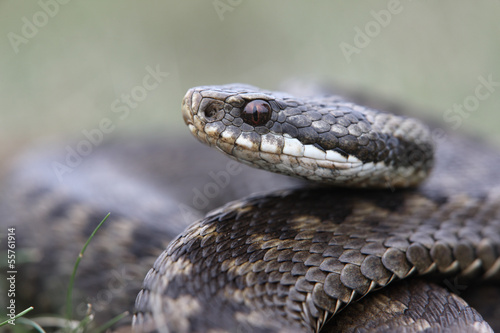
82,325
69,294
22,313
30,322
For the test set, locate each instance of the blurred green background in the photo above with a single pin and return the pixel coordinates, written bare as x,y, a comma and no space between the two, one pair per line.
64,64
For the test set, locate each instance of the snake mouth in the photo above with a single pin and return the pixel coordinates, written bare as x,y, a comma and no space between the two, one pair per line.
187,107
190,107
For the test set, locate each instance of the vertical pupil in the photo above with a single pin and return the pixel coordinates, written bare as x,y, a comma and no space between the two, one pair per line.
255,115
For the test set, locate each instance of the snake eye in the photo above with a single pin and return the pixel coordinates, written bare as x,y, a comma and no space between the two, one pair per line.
256,113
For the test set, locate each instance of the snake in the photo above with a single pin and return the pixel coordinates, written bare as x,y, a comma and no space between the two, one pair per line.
382,214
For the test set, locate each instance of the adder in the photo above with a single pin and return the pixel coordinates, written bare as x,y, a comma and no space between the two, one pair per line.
384,203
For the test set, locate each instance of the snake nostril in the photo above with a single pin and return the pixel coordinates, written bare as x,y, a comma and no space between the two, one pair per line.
211,111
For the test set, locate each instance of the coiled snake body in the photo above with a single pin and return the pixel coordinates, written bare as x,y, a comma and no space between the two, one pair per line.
283,261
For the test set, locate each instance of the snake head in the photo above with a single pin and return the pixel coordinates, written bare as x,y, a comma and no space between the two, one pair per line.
323,139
